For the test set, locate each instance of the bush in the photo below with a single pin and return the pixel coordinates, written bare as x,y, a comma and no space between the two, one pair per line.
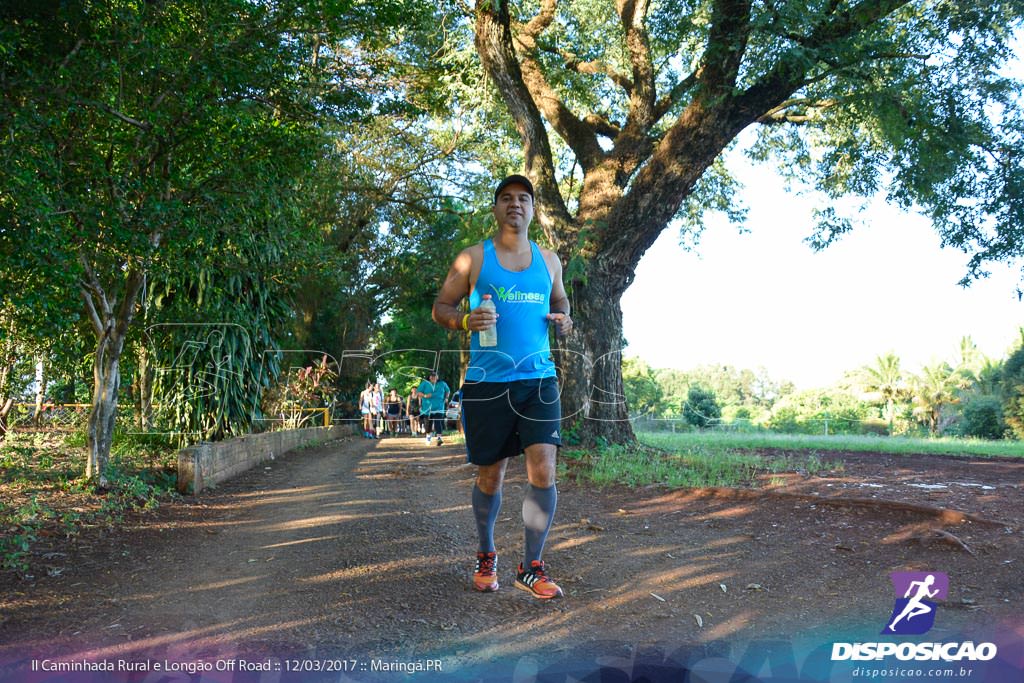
982,417
1013,390
701,409
819,411
785,419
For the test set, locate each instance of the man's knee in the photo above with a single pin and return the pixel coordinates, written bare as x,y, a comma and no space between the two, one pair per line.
541,464
490,477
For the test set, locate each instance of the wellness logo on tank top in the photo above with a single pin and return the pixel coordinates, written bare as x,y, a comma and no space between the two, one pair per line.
510,295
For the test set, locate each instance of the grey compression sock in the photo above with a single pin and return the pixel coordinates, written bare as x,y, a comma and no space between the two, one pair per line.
485,509
538,512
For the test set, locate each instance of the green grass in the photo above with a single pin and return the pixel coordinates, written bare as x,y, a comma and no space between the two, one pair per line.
693,466
800,442
700,459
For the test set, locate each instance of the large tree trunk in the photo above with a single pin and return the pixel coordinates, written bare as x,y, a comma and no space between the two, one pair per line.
103,414
593,399
110,322
107,382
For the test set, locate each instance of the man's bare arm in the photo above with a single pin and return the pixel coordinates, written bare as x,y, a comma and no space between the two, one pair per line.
558,303
454,289
456,286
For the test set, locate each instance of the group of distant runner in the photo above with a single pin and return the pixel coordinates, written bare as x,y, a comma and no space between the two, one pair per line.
423,412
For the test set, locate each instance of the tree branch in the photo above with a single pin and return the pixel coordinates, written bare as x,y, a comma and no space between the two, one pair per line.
848,22
539,23
676,163
494,45
93,285
74,51
141,125
717,115
577,133
592,68
602,126
90,309
126,311
633,15
580,136
633,144
790,71
781,113
727,43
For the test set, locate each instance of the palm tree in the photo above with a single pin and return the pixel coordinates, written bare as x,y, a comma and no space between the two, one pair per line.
970,357
884,380
934,389
989,377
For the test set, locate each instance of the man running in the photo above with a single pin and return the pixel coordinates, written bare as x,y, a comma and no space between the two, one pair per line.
510,399
434,394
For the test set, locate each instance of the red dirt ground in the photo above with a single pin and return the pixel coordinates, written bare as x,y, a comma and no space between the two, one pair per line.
359,552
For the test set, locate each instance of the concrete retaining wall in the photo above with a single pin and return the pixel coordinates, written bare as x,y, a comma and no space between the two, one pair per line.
208,464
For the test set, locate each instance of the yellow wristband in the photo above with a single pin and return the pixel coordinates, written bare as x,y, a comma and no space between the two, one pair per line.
465,322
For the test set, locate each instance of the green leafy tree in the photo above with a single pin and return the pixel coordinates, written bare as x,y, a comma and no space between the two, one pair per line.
987,378
701,409
643,394
754,392
674,385
1013,392
982,418
410,343
821,411
623,112
885,385
138,134
732,386
402,173
934,390
212,333
978,404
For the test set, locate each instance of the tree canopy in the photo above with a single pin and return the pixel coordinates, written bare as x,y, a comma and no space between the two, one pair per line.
185,147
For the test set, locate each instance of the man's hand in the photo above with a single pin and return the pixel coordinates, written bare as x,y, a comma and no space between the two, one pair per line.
562,323
481,319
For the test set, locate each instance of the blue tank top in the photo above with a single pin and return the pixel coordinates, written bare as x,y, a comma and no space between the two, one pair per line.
522,301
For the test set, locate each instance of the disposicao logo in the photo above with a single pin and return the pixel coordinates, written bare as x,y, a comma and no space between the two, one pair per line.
914,611
913,614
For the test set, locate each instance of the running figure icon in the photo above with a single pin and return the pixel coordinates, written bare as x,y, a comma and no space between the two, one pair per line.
915,607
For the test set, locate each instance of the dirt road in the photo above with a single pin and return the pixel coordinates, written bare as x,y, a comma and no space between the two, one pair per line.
359,553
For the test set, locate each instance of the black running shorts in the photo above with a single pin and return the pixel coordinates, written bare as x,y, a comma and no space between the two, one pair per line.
500,419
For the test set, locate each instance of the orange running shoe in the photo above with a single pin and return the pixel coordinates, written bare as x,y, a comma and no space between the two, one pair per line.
485,578
536,582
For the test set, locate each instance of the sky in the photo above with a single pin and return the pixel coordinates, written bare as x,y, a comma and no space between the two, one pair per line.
765,299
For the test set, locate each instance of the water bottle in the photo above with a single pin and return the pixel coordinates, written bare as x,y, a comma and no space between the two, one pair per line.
488,337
